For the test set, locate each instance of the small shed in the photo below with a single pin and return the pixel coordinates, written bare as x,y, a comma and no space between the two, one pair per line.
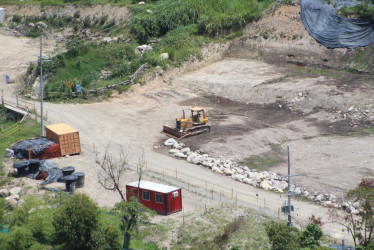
2,15
159,197
65,136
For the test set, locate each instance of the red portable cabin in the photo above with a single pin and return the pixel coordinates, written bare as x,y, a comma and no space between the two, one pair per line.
159,197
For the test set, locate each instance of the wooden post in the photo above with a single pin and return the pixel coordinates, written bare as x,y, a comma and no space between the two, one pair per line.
46,115
205,208
2,96
212,193
188,186
17,100
236,199
232,192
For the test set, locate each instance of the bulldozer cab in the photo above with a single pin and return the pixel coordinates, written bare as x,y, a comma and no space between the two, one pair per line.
198,115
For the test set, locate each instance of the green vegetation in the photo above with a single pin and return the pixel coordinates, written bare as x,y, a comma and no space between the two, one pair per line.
283,237
219,228
179,27
28,129
64,222
364,11
265,161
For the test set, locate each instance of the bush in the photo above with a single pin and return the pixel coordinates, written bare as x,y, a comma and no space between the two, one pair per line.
16,19
75,222
310,236
283,237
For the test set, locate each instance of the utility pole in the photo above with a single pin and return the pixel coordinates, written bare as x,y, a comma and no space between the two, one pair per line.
289,208
41,60
41,87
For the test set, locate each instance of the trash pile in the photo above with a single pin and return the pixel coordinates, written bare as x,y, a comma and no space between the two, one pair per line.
48,171
38,148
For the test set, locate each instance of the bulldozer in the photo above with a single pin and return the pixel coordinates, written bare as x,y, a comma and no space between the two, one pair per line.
193,125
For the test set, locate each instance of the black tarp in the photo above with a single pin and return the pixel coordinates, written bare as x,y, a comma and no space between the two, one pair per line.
332,31
37,145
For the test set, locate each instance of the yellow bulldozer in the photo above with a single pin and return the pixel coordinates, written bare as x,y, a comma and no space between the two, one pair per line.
193,125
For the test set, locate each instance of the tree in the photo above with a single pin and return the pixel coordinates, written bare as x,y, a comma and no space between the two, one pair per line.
283,237
130,213
112,174
75,223
361,225
310,236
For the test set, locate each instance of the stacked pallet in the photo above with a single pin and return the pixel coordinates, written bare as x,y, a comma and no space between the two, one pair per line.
65,136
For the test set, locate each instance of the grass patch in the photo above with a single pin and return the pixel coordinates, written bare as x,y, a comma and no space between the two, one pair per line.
265,161
28,129
224,228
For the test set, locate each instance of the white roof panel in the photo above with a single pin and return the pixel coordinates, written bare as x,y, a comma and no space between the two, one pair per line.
153,186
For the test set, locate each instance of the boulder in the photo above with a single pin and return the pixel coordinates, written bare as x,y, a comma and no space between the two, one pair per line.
180,155
217,170
305,193
42,25
281,185
169,142
356,205
297,191
227,171
20,202
319,197
164,56
143,48
239,170
238,177
177,146
14,196
265,184
4,192
9,152
15,190
194,158
107,39
185,150
174,151
11,203
248,181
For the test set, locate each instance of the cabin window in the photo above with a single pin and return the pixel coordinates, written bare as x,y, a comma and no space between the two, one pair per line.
159,198
145,195
175,194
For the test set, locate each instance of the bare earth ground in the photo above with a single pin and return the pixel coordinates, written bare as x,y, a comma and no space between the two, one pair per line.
252,105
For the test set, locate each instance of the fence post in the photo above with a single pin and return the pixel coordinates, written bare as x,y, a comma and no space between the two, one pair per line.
2,97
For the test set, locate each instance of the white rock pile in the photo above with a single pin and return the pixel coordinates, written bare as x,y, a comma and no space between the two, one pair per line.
267,180
12,197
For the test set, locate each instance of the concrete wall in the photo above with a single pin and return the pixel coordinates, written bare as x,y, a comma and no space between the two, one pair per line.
2,14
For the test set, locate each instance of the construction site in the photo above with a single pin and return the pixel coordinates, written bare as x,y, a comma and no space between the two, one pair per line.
219,127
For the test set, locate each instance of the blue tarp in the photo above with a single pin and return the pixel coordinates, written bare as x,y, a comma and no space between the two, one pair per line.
332,31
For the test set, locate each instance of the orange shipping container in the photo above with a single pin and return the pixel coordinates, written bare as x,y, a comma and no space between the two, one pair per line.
66,136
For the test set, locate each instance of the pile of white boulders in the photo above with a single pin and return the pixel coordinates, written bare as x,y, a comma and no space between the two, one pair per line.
267,180
12,197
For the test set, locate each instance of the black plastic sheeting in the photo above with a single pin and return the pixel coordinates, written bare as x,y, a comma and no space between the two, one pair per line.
332,31
37,145
54,174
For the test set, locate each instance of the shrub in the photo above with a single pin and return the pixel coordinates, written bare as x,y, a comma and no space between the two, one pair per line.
283,237
75,222
16,19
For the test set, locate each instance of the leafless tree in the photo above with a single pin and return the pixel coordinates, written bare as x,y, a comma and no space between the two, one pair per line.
112,174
